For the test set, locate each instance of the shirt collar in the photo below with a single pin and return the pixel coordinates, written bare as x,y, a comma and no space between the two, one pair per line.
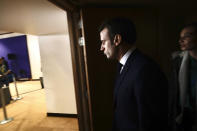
123,60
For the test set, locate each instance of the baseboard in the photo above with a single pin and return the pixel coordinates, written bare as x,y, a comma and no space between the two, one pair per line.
23,79
27,79
35,79
62,115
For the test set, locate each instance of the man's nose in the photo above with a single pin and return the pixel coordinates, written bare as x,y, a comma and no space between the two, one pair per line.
101,49
180,40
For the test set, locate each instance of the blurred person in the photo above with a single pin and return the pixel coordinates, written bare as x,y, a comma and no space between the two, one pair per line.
184,84
5,75
5,62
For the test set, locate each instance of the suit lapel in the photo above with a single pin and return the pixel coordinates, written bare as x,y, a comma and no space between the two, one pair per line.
120,77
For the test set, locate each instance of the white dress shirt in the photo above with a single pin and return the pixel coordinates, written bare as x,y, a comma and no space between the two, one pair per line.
123,60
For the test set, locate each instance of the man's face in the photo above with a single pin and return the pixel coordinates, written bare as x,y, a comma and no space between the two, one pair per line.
188,39
107,46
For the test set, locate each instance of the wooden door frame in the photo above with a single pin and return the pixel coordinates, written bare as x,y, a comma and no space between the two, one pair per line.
81,83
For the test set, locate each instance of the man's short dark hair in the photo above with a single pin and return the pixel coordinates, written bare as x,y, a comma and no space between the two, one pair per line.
192,25
121,26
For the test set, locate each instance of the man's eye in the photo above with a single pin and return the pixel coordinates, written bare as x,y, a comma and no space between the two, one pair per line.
186,36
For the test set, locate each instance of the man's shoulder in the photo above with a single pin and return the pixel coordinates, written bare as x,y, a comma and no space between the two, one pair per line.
178,55
136,57
142,60
177,58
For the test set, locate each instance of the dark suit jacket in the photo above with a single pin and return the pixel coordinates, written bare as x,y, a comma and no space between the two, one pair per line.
140,96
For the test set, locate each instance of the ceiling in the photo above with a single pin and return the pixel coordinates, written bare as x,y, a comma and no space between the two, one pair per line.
137,3
41,17
36,17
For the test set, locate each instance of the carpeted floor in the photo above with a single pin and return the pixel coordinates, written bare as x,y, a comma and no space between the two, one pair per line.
29,113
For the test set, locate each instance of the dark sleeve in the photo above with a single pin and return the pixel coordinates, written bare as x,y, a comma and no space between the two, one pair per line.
6,64
151,88
173,106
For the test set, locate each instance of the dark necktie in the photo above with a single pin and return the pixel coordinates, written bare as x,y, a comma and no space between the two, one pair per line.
119,67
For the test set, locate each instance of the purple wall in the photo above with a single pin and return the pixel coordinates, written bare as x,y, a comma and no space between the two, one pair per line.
18,46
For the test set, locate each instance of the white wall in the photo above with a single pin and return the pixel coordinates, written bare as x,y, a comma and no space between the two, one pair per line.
34,56
57,73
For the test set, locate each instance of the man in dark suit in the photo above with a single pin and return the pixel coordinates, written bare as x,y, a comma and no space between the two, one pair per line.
140,93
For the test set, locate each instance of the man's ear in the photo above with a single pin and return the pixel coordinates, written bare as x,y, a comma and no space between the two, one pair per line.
117,39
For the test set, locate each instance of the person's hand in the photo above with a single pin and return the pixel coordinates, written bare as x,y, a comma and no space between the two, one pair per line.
9,71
